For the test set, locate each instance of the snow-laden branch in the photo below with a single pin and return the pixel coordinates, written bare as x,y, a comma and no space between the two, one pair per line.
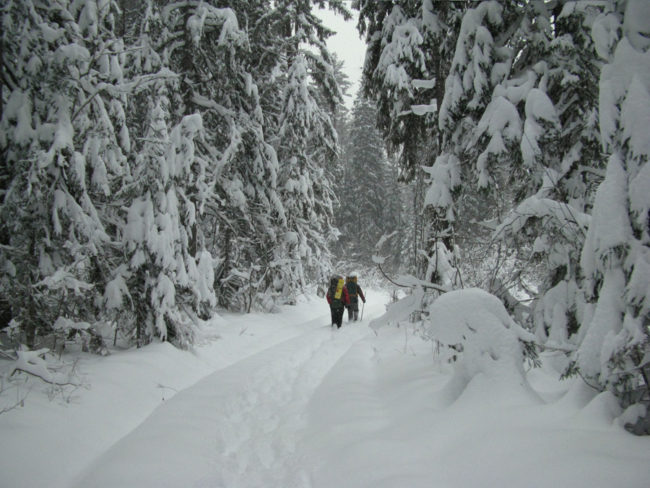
125,88
409,281
536,207
33,363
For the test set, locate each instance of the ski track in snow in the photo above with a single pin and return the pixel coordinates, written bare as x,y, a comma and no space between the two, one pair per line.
243,421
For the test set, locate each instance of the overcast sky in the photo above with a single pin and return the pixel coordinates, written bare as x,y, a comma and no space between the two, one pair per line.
348,47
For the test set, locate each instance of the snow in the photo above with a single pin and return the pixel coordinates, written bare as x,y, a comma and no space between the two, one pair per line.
610,227
115,290
501,122
604,34
444,177
640,197
424,109
283,400
615,80
477,325
538,108
636,25
635,117
574,221
592,354
474,50
423,84
208,16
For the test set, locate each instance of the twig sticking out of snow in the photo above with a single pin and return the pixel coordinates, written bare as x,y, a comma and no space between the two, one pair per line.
33,363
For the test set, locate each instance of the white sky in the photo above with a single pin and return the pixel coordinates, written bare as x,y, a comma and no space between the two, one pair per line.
348,47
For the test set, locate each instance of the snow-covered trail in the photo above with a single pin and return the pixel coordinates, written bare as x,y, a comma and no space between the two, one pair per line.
283,401
237,427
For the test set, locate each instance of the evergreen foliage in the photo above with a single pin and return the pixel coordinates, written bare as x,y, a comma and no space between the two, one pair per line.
161,159
531,147
64,143
615,335
368,192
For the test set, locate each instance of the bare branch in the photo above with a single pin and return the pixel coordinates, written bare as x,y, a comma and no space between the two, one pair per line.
44,378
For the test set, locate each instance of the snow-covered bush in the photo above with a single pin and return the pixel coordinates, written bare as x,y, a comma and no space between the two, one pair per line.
557,230
487,340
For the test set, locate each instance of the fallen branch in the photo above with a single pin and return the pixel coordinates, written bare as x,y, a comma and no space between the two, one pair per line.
45,379
8,355
9,409
31,362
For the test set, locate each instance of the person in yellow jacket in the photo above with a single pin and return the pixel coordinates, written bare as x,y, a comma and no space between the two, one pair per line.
338,298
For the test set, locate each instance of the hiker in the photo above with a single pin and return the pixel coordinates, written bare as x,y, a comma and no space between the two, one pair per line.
354,291
337,296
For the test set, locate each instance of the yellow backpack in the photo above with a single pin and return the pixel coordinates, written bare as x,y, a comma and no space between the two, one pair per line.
336,291
339,289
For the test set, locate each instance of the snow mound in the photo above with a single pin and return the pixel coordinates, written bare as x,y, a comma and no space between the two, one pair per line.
488,341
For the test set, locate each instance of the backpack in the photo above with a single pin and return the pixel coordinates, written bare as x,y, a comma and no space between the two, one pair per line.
336,292
352,287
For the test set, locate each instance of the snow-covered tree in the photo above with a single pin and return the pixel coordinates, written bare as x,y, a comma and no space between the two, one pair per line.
405,66
407,61
301,130
165,281
64,139
615,340
525,135
368,193
518,122
551,113
304,189
213,52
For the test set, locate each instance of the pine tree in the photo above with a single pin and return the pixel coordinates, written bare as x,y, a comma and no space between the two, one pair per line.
615,259
401,72
407,62
306,143
166,283
211,50
553,118
64,139
369,199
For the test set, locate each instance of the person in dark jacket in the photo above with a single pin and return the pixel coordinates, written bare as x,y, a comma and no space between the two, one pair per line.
338,298
355,292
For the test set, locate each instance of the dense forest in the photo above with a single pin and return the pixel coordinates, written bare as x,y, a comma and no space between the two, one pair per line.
160,160
165,160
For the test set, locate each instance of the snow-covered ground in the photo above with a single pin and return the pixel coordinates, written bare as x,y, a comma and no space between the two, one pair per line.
283,400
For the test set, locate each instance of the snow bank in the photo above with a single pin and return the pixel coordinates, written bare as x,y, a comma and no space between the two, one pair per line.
377,421
477,325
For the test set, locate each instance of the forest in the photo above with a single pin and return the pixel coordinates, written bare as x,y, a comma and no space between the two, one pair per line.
163,161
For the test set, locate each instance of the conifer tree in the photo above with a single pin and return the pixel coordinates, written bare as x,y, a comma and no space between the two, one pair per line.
407,61
305,141
211,50
369,199
615,259
165,282
64,140
558,162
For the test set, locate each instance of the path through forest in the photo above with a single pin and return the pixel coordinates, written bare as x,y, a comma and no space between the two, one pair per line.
239,426
283,400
